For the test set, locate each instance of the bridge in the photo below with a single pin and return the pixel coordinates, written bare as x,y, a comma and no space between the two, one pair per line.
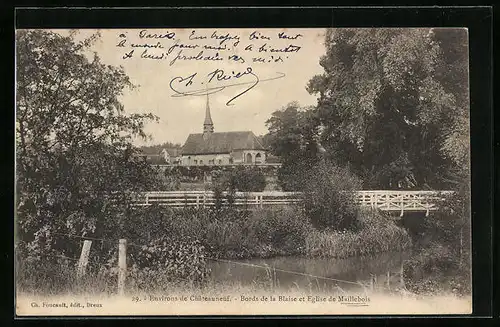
233,165
385,200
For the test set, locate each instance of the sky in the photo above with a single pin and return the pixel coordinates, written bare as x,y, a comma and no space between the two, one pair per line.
181,115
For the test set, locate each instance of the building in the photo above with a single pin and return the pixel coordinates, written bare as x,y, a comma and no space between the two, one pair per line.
221,148
165,156
171,155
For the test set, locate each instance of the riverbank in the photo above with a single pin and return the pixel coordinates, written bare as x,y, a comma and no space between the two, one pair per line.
183,242
265,233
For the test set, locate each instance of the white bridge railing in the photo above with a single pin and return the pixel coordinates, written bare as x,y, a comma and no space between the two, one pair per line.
395,201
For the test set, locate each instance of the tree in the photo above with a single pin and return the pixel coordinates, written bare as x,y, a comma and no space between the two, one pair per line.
76,166
329,197
156,149
387,103
454,75
293,137
242,179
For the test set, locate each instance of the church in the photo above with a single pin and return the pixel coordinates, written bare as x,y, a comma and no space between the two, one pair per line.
221,148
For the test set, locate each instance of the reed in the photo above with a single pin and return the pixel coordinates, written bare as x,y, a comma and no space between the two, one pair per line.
377,234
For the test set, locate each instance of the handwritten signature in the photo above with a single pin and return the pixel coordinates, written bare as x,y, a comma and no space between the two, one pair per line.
217,81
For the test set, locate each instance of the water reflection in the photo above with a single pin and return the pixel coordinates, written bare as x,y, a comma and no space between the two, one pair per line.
299,272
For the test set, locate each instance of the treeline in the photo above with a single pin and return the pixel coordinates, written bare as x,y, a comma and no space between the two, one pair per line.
157,148
392,106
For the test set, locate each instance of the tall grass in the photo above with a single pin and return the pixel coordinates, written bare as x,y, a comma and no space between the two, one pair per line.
377,233
264,233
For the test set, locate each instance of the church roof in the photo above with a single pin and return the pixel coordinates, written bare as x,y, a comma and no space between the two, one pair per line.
223,142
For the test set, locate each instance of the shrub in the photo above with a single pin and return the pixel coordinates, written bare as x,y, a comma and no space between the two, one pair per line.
166,261
283,232
44,274
242,179
375,234
435,269
443,259
329,197
292,175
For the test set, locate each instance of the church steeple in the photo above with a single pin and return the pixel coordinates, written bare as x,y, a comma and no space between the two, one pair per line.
208,125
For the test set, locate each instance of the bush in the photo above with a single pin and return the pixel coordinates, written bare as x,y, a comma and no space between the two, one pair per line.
434,270
44,274
227,232
329,197
281,232
376,233
442,262
242,179
166,261
292,176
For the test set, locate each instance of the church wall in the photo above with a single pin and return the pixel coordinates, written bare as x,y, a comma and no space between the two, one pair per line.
238,157
206,159
254,156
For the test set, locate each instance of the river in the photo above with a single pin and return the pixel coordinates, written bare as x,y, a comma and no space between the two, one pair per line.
299,273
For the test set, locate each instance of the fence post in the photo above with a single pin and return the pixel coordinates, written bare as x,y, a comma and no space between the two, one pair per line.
84,259
402,275
402,206
122,265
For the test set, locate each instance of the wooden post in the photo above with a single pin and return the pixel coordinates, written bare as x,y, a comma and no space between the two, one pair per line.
402,207
388,279
84,259
372,282
122,265
402,277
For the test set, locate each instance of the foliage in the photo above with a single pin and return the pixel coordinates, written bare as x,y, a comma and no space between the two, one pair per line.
50,277
392,103
284,230
157,148
443,258
226,232
241,179
169,179
269,232
76,166
376,234
293,137
329,197
166,261
435,269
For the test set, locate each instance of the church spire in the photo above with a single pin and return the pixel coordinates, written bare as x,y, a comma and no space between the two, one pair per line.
208,125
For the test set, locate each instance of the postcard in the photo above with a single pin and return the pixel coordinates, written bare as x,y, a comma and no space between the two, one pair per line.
263,171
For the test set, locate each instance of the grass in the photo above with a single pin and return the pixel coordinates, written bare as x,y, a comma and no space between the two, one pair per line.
231,235
266,233
377,234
